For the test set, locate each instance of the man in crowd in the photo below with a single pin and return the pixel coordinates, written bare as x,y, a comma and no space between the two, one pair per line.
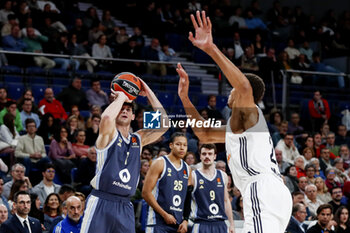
72,222
95,95
312,201
324,216
4,213
86,171
50,105
289,150
296,223
73,95
27,113
337,195
11,107
17,173
3,199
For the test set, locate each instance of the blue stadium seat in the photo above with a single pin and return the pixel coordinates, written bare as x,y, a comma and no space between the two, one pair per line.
11,69
171,87
221,101
166,99
13,79
105,75
15,90
35,70
38,91
85,113
57,89
197,89
83,73
60,81
38,80
85,83
59,72
202,101
105,84
73,174
141,100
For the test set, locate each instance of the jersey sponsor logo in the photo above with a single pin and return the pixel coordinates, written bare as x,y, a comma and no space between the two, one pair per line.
219,182
185,174
214,209
176,200
124,175
151,120
134,142
169,172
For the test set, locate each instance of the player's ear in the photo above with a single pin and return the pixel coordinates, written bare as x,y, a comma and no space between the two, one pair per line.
171,145
133,117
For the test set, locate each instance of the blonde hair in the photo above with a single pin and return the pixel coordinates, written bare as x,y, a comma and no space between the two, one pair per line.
325,189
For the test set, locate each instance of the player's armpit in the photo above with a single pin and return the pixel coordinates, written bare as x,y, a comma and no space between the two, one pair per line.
211,135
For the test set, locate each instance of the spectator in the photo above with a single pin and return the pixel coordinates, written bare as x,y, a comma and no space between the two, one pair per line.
319,111
282,165
61,47
17,173
147,153
341,217
254,22
237,45
249,61
102,50
310,171
52,210
34,45
325,160
322,191
72,127
306,50
6,29
143,171
258,46
291,179
238,211
138,37
330,144
72,223
289,151
230,53
294,126
296,223
91,18
86,172
316,163
18,185
220,165
92,132
47,128
80,149
3,98
62,154
302,183
332,181
236,20
341,138
73,95
3,199
81,32
317,65
281,132
23,13
96,32
110,27
50,105
122,37
275,121
95,95
3,214
46,186
65,192
284,61
35,210
14,42
337,196
166,53
27,94
151,52
131,51
325,130
308,154
292,52
312,202
27,113
268,64
11,108
344,153
299,165
28,24
30,149
8,137
212,111
190,158
6,11
75,112
324,216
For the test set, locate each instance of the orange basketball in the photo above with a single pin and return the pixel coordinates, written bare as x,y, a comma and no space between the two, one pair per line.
127,83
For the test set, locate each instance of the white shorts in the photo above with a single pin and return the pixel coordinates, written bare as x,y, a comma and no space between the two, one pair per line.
267,206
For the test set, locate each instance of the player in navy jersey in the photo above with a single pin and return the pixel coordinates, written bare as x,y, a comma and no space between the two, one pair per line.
165,189
211,204
109,209
267,203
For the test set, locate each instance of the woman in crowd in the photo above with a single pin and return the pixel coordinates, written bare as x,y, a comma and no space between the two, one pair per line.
35,211
310,171
27,94
319,172
299,165
52,210
47,128
291,179
8,137
341,217
322,191
276,118
62,155
72,127
79,148
190,158
18,185
308,154
144,169
75,111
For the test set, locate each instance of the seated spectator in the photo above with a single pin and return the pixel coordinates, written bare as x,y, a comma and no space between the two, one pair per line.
341,217
23,13
92,132
75,112
8,137
332,181
81,32
73,95
138,37
18,185
73,220
28,24
291,180
95,95
311,198
46,186
47,128
319,172
299,165
308,154
238,212
50,105
95,32
35,210
65,192
190,158
325,160
230,54
94,110
42,5
91,18
302,183
62,155
131,51
322,191
296,223
254,22
30,150
337,196
306,50
110,26
237,45
3,98
324,216
72,127
340,171
5,11
151,52
275,121
121,38
52,210
27,94
11,107
34,45
330,144
282,165
79,148
4,213
310,172
284,61
281,132
319,111
292,52
27,113
249,61
317,65
236,20
54,16
17,173
258,46
342,138
212,111
6,29
61,47
289,151
308,143
86,172
268,64
14,42
344,153
102,50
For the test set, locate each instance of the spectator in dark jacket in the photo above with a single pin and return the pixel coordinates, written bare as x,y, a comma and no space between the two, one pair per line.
73,95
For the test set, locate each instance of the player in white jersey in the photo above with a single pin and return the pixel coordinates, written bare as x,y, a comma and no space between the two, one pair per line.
267,202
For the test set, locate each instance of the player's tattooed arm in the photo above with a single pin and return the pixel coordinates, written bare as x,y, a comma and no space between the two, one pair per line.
205,135
149,136
151,179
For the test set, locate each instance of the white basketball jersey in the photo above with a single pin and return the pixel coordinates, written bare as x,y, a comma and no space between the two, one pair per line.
251,153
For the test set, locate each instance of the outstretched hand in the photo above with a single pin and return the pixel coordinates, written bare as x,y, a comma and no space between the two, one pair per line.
144,88
203,38
183,81
120,94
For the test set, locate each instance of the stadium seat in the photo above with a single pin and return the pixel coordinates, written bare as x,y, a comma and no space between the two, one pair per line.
73,174
58,72
202,101
197,89
104,75
61,81
35,70
166,99
38,80
141,100
85,113
105,84
38,91
15,90
11,69
221,101
171,87
13,79
85,83
57,89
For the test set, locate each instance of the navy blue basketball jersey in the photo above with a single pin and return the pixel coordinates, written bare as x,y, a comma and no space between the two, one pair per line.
118,166
208,197
170,192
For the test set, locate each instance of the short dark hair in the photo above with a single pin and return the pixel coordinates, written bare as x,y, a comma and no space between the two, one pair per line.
210,96
324,206
94,80
130,105
331,191
66,189
19,193
296,208
47,166
149,148
208,146
28,121
177,134
96,116
10,102
258,86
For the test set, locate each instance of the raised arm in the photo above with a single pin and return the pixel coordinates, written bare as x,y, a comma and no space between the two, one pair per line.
107,126
204,40
149,136
205,135
150,182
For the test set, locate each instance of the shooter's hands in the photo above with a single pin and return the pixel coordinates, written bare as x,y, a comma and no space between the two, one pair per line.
183,82
203,39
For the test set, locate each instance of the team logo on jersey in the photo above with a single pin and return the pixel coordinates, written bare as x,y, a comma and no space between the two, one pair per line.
201,182
169,171
185,174
124,175
134,142
176,200
151,120
214,209
120,142
219,182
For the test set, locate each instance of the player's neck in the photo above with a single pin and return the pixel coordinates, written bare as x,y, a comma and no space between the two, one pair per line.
208,170
124,130
174,159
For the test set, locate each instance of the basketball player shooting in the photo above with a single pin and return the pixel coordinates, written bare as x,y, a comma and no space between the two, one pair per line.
251,158
109,209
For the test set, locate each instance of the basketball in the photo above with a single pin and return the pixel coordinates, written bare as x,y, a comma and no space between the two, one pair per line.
127,83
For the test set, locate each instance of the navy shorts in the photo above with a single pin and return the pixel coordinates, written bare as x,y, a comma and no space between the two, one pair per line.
209,227
162,229
108,213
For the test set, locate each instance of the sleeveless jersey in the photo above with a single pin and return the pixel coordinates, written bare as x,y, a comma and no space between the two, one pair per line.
170,192
118,166
208,197
250,153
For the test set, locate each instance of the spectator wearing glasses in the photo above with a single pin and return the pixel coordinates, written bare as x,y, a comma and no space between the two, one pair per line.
337,196
46,186
17,173
296,223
